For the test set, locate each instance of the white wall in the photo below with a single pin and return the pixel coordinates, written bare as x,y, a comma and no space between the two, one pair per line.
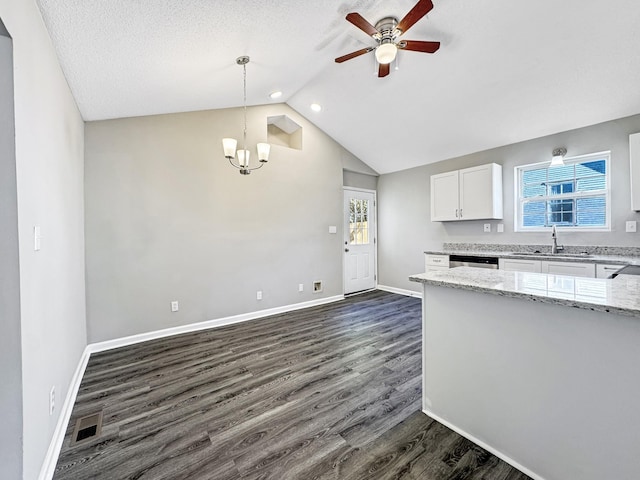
49,171
10,352
405,229
167,218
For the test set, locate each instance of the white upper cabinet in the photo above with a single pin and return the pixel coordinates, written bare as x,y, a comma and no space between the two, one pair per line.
469,194
634,158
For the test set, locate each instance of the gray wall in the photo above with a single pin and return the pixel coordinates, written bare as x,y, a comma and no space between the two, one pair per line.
359,180
406,231
49,179
10,352
167,218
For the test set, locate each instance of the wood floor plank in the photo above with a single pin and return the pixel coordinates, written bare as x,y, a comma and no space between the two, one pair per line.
328,393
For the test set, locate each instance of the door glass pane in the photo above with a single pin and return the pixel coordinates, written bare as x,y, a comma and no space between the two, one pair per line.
358,221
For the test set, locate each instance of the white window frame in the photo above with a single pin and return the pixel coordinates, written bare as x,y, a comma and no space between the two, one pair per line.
519,201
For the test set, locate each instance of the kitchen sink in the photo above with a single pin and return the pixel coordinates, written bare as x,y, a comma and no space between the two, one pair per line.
555,255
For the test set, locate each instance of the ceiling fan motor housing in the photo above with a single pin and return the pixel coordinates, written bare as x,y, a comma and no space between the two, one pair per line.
388,31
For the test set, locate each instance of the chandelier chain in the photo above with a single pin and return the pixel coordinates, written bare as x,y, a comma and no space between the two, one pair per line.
244,134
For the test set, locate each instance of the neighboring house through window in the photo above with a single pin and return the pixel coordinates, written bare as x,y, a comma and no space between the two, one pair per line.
575,195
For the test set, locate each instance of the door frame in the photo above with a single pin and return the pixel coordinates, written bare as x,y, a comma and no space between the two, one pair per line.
345,234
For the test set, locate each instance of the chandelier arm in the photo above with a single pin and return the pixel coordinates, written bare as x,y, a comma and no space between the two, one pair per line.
257,168
238,166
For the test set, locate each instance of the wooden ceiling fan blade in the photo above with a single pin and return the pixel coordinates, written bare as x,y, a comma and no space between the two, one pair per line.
359,21
351,55
419,46
383,70
416,13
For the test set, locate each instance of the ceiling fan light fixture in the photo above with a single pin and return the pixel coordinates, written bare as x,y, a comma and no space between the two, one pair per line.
386,53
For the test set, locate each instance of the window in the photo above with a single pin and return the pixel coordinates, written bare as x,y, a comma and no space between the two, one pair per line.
574,195
358,221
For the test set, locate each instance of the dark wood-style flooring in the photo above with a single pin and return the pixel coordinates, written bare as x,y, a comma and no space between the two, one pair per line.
330,392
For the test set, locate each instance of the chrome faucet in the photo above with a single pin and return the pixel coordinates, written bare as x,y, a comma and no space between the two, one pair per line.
554,236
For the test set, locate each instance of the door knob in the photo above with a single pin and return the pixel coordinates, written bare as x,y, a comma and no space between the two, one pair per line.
346,249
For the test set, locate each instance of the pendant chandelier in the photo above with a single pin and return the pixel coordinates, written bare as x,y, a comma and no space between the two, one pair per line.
229,144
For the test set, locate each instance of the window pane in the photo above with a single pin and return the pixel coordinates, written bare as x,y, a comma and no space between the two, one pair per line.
534,190
592,212
591,168
534,214
556,174
592,183
535,176
560,212
358,221
560,188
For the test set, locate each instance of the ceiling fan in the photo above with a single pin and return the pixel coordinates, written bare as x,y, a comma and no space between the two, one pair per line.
386,33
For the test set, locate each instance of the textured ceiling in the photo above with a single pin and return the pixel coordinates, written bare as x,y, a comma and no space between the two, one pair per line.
507,70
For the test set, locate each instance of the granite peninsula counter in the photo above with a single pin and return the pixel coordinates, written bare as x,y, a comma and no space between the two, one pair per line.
543,370
620,295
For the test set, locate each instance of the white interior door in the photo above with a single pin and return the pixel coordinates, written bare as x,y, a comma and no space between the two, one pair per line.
360,240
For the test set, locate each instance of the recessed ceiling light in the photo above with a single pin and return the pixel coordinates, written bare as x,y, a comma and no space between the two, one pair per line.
275,95
316,107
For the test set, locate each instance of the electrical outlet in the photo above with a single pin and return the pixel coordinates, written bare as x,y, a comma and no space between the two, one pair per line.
301,287
259,295
52,400
175,306
317,286
631,226
487,227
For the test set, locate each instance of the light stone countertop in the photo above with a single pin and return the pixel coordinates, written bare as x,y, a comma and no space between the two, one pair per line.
620,295
589,258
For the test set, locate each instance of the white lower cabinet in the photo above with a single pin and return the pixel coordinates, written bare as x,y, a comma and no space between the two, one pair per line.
517,265
603,271
574,269
436,262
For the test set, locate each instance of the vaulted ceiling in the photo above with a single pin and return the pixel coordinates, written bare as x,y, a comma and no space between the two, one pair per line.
506,71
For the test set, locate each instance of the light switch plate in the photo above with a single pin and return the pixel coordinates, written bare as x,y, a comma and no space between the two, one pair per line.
333,229
487,227
37,236
501,228
632,226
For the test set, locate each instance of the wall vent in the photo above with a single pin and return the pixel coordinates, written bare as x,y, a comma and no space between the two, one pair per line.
87,427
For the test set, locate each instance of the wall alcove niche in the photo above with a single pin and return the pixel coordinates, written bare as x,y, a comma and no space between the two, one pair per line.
283,131
10,350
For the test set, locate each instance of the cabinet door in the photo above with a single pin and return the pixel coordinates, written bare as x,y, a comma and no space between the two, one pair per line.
519,265
603,271
481,192
444,197
570,268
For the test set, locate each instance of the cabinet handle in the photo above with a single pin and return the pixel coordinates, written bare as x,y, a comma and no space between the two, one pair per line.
456,213
460,213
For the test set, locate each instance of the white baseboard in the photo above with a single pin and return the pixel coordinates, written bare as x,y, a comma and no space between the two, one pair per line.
51,458
194,327
482,444
400,291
